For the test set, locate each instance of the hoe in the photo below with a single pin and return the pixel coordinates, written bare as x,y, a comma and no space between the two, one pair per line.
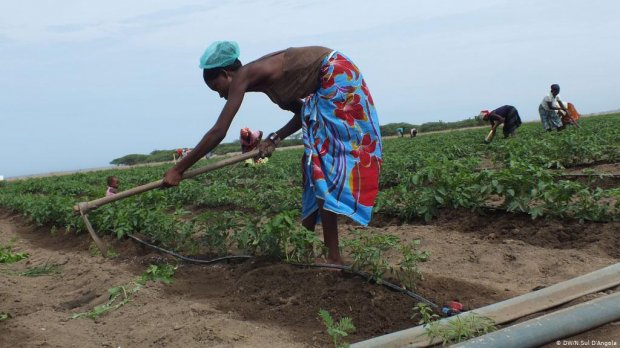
83,208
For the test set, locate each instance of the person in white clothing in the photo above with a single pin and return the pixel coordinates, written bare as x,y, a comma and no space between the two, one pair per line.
548,109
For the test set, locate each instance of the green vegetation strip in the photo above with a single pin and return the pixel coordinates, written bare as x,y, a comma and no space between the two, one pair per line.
7,256
242,209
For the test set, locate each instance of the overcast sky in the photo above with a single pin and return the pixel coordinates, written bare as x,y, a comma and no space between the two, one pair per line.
84,82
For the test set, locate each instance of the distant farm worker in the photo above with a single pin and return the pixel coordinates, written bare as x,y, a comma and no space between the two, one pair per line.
332,106
569,117
112,186
177,155
400,131
506,115
413,132
548,109
249,141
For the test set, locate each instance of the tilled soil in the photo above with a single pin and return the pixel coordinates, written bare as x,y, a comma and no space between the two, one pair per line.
477,259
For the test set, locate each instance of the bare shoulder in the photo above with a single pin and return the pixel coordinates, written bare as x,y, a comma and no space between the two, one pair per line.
264,71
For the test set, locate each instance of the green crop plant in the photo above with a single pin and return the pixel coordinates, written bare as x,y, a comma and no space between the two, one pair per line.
45,269
162,272
212,230
367,251
94,251
8,256
425,313
337,331
281,237
459,328
5,316
407,271
118,296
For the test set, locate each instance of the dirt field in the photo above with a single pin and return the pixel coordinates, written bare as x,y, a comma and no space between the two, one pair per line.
477,259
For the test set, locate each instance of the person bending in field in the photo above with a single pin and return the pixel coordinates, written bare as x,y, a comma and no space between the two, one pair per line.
332,106
569,117
179,155
413,132
112,186
506,115
249,141
548,110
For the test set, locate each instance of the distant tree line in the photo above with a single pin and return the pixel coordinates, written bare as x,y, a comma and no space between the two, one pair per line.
386,130
166,155
135,158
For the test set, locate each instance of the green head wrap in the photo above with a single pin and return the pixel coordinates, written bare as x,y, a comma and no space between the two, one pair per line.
219,54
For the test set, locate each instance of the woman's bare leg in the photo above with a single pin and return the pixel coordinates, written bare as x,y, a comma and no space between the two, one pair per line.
310,222
329,220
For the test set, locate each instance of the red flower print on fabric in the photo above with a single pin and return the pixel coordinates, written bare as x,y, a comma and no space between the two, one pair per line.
364,180
317,172
366,92
340,65
350,110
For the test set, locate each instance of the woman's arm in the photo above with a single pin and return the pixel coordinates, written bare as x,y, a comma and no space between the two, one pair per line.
496,119
550,106
562,107
294,124
216,134
251,77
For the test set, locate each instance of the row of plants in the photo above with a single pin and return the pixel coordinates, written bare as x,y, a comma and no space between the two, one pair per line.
521,187
419,178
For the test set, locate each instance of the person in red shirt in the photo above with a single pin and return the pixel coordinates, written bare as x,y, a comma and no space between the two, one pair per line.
249,139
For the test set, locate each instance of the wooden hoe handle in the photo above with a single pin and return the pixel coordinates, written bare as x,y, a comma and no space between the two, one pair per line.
85,207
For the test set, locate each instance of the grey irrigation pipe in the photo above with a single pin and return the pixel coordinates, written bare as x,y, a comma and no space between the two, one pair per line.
551,327
508,310
83,208
313,265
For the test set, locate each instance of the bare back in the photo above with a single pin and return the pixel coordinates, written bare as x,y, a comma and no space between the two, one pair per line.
289,75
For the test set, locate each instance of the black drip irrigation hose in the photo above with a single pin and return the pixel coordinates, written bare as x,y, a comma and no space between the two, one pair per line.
189,259
596,175
314,265
369,277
